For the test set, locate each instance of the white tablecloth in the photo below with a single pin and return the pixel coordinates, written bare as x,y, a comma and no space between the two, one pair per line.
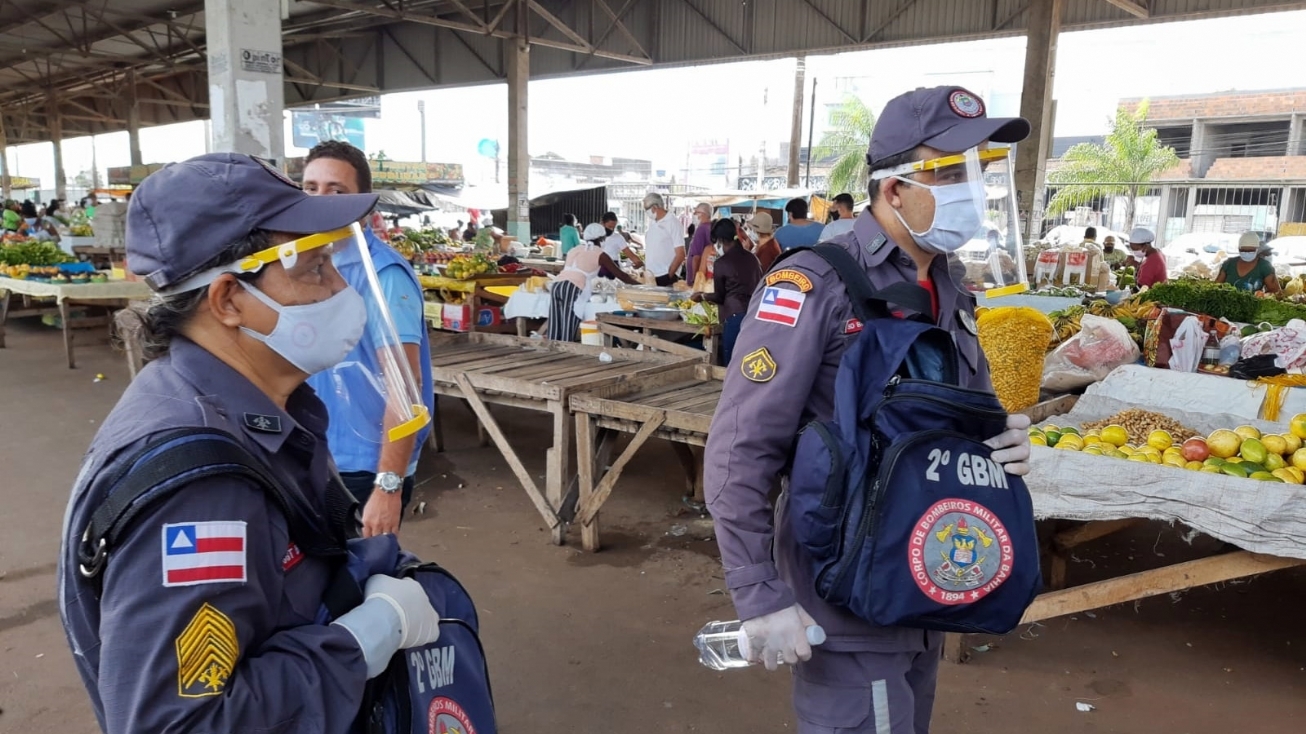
114,289
536,306
1192,392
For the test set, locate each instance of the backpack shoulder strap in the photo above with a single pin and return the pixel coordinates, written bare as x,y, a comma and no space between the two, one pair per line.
868,302
172,461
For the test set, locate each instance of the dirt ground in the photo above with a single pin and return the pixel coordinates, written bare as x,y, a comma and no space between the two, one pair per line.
600,643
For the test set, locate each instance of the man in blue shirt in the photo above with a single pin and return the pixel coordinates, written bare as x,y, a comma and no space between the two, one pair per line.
800,231
367,460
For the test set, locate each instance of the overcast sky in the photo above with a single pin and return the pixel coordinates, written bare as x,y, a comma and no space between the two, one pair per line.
657,113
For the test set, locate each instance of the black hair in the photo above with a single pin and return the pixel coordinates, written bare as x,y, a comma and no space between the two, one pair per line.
1090,233
569,220
723,230
846,200
155,323
339,150
29,210
689,232
608,217
893,161
797,208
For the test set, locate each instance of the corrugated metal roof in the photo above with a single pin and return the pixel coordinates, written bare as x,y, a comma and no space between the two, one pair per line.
342,48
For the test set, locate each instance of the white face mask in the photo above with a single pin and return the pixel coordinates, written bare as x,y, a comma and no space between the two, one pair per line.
1138,254
956,219
1247,256
314,336
718,247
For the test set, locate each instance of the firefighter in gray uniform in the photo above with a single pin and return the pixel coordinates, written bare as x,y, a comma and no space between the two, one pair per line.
202,618
863,678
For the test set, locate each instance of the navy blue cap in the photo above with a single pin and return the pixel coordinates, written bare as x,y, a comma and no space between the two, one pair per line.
949,119
183,215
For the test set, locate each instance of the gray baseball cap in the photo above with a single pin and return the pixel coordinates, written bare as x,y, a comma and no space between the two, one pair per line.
950,119
185,214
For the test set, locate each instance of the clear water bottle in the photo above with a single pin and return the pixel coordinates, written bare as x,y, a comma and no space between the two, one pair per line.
723,645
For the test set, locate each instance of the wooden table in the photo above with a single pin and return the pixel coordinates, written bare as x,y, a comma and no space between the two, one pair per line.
544,266
538,375
675,405
1059,538
644,331
109,296
477,296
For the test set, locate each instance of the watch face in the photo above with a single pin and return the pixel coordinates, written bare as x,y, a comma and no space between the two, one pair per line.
388,481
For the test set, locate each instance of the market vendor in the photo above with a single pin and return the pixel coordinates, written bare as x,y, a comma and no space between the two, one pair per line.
1251,270
1150,261
735,277
1113,257
571,291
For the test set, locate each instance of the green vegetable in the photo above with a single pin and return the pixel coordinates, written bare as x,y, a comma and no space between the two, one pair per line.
1219,300
1278,313
33,253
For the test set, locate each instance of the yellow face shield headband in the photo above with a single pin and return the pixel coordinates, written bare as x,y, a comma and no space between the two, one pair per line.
287,253
934,164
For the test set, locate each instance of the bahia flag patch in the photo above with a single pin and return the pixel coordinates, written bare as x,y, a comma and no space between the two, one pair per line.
203,553
780,306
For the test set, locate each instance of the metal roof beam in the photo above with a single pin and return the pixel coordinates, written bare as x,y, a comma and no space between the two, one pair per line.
1136,8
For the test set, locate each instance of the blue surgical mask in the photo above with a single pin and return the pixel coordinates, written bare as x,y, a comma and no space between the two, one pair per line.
1247,256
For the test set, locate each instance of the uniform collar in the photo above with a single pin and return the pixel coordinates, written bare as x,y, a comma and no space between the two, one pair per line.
872,240
235,399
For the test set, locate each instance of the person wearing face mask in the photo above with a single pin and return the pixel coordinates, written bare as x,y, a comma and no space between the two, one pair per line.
927,199
36,226
843,218
698,242
199,613
766,248
1113,256
1150,261
571,291
735,277
1249,271
615,245
379,473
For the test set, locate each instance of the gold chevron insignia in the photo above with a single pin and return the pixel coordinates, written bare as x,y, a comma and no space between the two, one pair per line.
207,651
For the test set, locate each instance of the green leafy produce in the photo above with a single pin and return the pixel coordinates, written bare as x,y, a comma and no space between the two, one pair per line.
1278,312
1220,300
33,253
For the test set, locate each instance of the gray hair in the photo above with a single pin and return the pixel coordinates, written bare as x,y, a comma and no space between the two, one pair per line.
148,327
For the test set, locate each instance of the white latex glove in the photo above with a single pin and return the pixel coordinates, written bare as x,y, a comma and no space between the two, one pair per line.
395,614
419,622
781,637
1011,447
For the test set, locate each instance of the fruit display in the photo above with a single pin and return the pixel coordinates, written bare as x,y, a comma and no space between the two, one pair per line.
467,266
1243,452
1138,424
1015,340
1131,313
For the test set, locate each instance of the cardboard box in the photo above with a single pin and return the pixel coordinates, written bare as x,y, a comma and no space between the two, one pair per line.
459,318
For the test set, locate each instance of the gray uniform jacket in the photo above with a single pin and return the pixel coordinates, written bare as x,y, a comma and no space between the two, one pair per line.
782,378
205,622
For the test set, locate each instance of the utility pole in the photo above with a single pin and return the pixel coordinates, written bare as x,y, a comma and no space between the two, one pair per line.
796,125
811,129
421,110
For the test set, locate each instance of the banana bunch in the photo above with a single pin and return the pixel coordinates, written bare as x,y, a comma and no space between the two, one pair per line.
1066,324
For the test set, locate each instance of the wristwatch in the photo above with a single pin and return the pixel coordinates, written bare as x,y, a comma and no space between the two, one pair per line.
389,482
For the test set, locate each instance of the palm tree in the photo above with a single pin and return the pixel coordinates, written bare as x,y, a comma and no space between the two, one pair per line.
849,140
1123,165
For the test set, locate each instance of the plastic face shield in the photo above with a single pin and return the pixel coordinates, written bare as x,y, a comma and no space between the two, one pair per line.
374,393
992,262
382,402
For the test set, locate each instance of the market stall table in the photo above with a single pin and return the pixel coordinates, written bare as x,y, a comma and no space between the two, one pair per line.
545,266
1090,497
524,306
109,296
477,294
675,405
537,375
645,332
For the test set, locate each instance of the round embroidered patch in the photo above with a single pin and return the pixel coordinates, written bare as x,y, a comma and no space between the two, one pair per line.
445,716
965,104
959,552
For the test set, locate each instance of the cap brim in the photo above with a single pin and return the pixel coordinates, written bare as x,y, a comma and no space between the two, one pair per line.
314,214
969,133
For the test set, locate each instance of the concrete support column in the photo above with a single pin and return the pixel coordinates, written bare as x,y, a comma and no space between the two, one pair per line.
1036,106
519,157
246,97
56,137
796,127
1296,133
1191,209
4,160
1199,154
1283,212
1163,214
133,120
